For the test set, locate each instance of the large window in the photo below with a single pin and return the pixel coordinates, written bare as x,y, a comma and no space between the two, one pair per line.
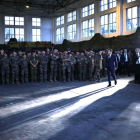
71,32
36,35
88,28
36,21
130,1
19,20
107,4
88,10
71,16
60,34
19,34
9,33
9,20
108,23
60,20
131,18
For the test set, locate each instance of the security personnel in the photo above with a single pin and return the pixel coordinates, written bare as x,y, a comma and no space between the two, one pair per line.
43,67
66,66
53,65
5,69
14,62
33,66
24,61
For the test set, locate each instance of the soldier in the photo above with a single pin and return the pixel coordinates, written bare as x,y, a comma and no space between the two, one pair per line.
43,67
53,65
90,64
14,62
33,67
73,62
76,65
20,56
82,61
60,66
24,69
98,67
48,71
66,66
103,64
5,69
1,56
101,71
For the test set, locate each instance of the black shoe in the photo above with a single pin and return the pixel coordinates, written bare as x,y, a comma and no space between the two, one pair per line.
109,85
115,82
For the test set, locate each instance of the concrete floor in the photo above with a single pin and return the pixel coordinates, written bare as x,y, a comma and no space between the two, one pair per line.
70,111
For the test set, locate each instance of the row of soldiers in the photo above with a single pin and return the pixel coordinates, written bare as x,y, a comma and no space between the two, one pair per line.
54,65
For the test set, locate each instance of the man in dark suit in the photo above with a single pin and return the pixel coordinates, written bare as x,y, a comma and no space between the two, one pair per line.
118,71
125,60
136,62
111,66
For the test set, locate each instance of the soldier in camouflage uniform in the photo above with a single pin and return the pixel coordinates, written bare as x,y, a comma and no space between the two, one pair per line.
73,62
98,67
91,58
66,66
54,65
76,65
24,61
14,62
33,67
5,69
103,64
82,61
43,67
1,56
60,66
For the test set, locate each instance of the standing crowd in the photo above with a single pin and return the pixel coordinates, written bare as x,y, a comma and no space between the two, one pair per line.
53,65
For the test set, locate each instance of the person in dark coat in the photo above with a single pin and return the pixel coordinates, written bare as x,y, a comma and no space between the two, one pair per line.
111,66
125,60
136,62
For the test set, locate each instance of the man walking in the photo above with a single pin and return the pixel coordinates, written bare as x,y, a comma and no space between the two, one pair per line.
111,66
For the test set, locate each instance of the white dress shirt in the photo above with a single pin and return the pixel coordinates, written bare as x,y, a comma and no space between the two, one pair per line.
126,58
138,61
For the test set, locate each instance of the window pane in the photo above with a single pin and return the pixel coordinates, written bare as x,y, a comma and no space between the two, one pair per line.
34,32
114,27
102,20
110,18
134,23
106,19
110,28
114,17
129,13
134,12
34,38
11,22
128,24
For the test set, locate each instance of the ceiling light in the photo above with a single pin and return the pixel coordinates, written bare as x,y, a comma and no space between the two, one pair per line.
27,6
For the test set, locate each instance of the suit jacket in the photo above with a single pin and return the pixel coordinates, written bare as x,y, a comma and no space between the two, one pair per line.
123,58
135,58
111,62
118,58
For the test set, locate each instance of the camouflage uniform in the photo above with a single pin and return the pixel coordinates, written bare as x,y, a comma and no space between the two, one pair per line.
82,62
24,69
60,68
66,66
33,69
103,64
1,56
91,59
43,68
76,67
73,62
53,66
98,67
5,69
48,66
14,62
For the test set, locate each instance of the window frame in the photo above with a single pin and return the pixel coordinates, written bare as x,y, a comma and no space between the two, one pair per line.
19,33
61,34
72,32
36,22
9,20
137,18
72,16
88,28
19,21
130,1
88,10
36,35
108,23
62,18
